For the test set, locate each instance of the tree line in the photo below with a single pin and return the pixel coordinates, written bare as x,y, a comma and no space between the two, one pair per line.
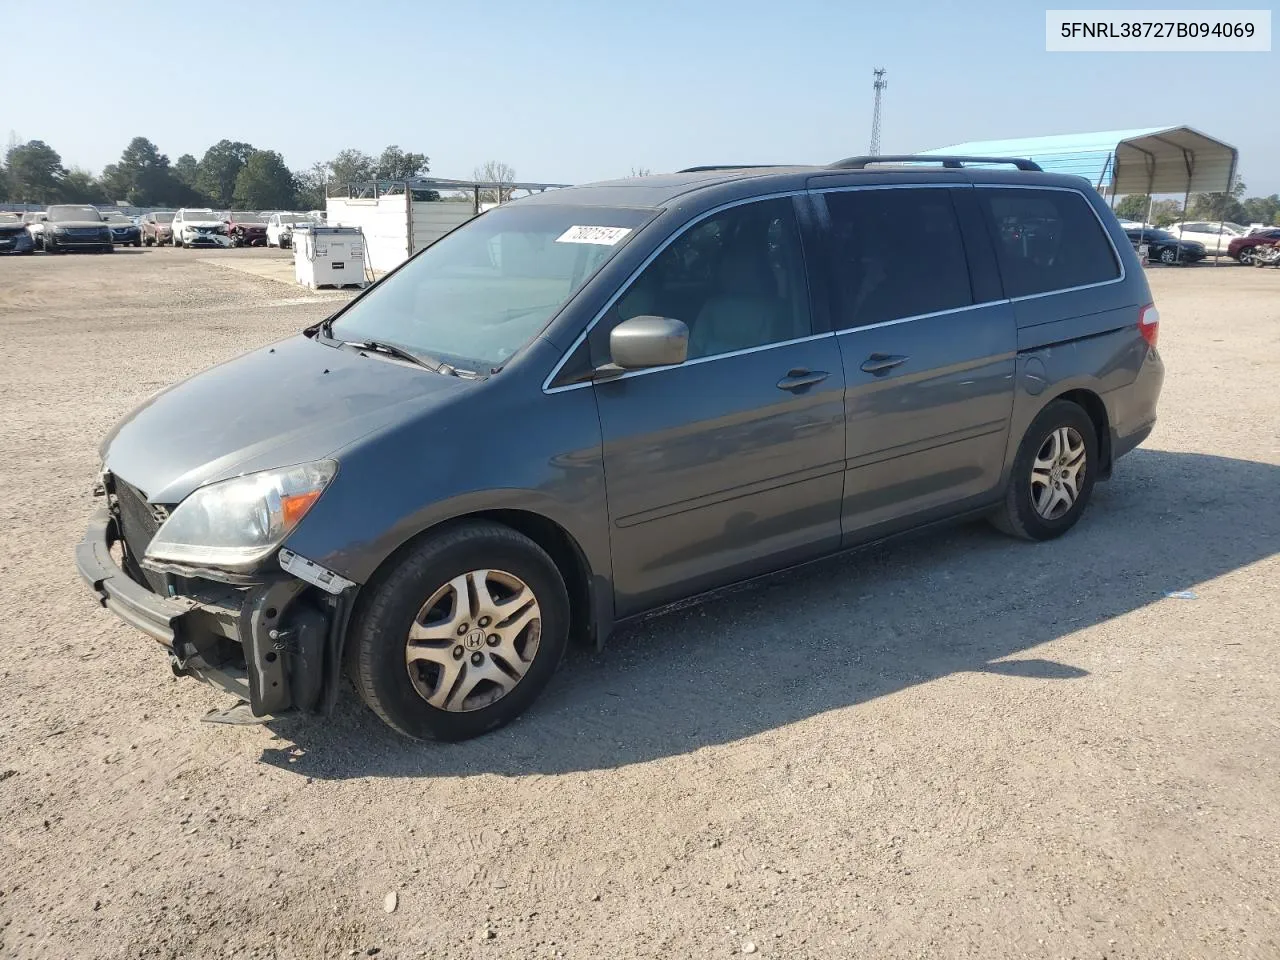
1231,207
231,174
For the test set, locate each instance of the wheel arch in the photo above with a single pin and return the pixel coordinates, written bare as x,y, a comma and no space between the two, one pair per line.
589,613
1093,405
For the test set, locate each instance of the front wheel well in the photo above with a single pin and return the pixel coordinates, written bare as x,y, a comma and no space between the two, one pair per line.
547,534
1092,404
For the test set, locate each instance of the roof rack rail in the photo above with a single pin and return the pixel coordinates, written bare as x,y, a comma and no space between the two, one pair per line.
727,166
954,163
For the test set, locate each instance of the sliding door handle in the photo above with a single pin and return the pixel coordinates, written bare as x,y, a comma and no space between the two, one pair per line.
879,363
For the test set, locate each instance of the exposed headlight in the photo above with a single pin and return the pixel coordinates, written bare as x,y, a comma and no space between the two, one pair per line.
59,229
236,523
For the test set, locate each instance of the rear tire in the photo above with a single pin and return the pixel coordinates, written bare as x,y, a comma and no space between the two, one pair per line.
397,687
1042,474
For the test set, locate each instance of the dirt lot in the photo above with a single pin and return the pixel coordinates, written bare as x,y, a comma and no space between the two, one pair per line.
957,746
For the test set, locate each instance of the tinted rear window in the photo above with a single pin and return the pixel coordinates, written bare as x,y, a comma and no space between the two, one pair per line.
1047,240
895,254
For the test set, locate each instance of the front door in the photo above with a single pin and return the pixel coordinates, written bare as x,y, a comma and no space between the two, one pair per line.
928,359
730,464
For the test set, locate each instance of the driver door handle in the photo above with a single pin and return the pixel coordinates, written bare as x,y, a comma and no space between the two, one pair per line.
879,363
800,378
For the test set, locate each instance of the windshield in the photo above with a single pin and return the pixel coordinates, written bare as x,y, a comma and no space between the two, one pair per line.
69,214
9,218
477,296
116,218
198,214
293,218
247,218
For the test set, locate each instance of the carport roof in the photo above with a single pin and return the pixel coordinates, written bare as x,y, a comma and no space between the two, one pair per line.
1146,160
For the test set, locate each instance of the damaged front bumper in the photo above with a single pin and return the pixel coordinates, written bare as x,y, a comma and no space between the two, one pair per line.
276,644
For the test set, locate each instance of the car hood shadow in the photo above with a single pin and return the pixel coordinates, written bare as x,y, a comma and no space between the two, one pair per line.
841,632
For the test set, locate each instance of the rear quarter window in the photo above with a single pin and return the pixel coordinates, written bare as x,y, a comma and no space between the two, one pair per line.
1047,240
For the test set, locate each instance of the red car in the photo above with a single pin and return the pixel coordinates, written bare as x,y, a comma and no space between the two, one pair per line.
246,229
1242,247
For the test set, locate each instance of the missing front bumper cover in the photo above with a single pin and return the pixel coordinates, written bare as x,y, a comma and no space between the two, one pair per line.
275,644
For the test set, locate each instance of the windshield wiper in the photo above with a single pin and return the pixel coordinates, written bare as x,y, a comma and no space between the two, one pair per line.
391,350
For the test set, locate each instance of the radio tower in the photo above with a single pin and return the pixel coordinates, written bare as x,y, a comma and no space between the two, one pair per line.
879,85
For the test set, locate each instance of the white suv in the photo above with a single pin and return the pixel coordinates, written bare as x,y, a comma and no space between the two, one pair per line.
199,227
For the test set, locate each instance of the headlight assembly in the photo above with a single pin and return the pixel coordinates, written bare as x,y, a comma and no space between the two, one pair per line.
236,523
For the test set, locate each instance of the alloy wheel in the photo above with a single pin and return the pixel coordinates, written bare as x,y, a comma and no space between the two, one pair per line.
1057,473
473,640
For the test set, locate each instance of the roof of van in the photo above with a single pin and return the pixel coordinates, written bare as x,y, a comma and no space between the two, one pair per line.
658,190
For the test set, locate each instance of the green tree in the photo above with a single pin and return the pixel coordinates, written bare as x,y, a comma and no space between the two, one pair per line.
1165,212
219,168
186,169
142,177
1261,209
78,185
1219,206
264,183
395,164
351,166
4,183
34,171
1133,207
311,185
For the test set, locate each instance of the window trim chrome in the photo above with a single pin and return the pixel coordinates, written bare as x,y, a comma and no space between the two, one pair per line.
626,285
922,316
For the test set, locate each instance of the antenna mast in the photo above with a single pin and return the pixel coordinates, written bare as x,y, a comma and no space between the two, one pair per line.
879,85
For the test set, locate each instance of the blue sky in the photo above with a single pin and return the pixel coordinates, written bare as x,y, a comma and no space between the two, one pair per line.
572,91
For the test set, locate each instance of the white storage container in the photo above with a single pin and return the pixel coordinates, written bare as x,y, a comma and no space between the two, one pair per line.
328,256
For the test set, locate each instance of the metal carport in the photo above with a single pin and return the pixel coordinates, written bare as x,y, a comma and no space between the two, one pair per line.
1146,161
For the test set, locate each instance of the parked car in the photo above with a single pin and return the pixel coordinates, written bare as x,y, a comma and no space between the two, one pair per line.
594,402
124,232
246,229
280,228
14,236
157,228
199,227
1242,248
35,222
1214,241
1164,247
75,227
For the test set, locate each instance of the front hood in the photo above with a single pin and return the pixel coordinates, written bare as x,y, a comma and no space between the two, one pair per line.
203,223
76,224
296,401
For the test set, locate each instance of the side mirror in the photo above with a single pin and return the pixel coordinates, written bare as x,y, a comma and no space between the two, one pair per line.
643,342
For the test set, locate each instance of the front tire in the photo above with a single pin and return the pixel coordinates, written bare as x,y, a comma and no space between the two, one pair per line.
1169,256
462,635
1052,476
1245,256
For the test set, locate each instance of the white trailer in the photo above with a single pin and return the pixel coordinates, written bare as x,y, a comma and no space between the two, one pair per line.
397,220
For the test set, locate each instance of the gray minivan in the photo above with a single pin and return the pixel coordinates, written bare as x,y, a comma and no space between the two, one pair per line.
588,404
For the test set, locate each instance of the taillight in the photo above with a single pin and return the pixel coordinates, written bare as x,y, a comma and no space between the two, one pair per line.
1149,323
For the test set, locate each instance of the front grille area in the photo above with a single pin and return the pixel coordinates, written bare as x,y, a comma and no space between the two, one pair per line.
138,524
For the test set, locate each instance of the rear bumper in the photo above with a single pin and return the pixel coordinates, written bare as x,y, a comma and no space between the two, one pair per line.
276,645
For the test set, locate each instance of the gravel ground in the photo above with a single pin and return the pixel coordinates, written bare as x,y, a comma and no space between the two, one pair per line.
959,745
